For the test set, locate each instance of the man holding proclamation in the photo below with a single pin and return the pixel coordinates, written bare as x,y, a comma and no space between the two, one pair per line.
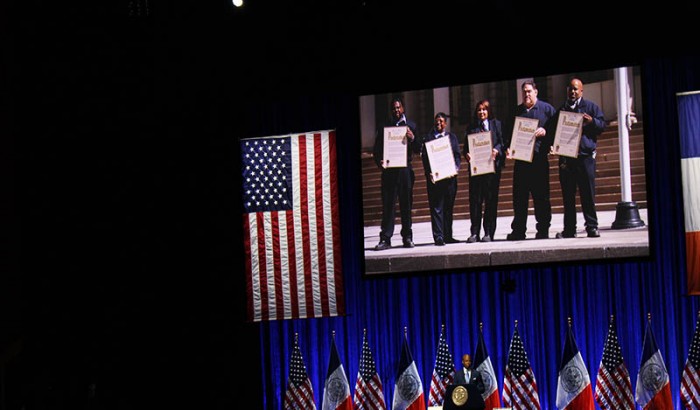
579,171
532,177
441,178
396,181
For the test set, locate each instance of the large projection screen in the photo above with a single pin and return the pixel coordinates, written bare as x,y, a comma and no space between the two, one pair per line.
620,179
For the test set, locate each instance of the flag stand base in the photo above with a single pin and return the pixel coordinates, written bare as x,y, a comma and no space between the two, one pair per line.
627,216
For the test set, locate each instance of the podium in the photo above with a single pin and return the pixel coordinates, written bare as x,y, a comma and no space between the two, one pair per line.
463,397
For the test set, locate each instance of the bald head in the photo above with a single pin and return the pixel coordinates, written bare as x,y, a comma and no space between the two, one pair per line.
575,89
467,361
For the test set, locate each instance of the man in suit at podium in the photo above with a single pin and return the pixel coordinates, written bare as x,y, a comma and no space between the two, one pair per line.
468,375
465,393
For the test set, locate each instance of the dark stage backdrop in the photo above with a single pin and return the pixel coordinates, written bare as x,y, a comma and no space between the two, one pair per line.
542,298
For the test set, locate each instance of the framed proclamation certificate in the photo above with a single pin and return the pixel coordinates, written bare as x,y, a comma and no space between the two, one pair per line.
442,163
395,146
522,143
568,134
480,150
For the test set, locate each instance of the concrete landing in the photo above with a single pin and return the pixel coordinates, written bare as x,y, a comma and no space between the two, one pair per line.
613,243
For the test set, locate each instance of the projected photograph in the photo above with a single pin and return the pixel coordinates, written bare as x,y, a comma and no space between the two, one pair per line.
522,171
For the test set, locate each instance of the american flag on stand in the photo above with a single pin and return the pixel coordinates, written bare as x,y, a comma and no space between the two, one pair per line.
368,387
519,384
690,380
291,227
300,393
613,389
443,372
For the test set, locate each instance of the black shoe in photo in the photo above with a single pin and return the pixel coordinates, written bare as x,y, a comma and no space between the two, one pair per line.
382,245
515,236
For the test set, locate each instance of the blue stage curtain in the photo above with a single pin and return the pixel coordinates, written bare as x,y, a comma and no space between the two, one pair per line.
543,297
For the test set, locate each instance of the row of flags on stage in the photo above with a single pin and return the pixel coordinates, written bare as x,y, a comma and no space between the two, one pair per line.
613,388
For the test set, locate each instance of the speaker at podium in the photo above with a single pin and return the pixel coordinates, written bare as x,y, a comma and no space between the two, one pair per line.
463,397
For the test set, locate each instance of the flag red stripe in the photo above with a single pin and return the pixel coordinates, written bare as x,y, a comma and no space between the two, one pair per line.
418,404
304,205
248,266
262,264
277,265
661,400
320,223
492,401
291,254
584,400
335,219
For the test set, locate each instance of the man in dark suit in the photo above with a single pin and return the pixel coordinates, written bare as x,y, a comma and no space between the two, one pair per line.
396,182
467,375
441,193
580,171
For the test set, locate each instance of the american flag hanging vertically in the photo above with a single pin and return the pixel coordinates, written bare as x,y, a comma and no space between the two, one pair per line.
300,393
519,384
690,380
291,227
613,389
443,372
368,387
